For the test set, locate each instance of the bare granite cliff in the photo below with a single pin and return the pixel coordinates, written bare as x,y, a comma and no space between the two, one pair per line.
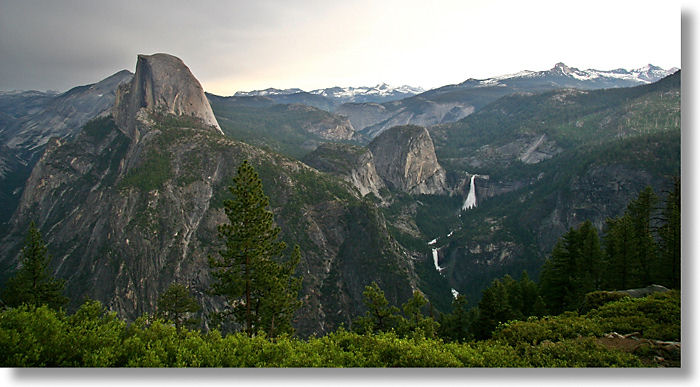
405,159
162,85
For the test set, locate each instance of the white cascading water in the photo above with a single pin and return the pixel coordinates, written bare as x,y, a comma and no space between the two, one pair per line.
471,197
435,260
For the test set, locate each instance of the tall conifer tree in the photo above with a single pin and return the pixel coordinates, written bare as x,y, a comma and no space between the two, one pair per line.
630,248
640,210
259,287
176,304
670,239
33,284
573,269
494,309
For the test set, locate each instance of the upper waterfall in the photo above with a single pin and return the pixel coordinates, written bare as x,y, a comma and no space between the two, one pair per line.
471,196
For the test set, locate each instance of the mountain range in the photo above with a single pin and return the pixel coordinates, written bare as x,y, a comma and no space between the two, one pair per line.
453,102
339,95
126,179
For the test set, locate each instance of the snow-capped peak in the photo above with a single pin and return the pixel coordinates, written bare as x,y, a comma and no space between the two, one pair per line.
562,68
267,92
646,74
381,92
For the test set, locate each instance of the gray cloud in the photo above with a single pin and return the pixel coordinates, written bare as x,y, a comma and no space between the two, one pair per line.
60,44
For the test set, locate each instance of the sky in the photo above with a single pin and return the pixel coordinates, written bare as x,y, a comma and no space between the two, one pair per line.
247,45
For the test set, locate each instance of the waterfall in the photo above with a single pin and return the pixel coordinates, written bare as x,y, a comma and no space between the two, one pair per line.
471,197
435,260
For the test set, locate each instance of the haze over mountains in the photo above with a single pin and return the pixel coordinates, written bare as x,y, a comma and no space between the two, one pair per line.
361,178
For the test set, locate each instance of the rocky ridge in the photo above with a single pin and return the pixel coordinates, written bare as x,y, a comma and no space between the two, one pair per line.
404,158
451,103
28,120
162,84
126,216
354,164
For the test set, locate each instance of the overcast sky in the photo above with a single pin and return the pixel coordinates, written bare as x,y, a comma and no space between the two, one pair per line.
246,45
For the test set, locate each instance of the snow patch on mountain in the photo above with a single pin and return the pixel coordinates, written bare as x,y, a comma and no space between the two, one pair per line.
267,92
378,93
382,90
643,75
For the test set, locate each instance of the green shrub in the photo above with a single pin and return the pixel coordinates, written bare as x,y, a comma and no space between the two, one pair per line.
151,174
580,352
657,316
594,300
568,325
93,337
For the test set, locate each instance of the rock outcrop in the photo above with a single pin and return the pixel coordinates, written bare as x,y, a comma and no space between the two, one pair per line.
405,159
352,163
330,127
63,115
162,84
28,121
126,216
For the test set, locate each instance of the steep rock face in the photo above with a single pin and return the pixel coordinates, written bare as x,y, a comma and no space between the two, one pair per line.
405,159
352,163
122,236
29,119
124,217
363,115
421,112
61,115
331,127
162,84
372,119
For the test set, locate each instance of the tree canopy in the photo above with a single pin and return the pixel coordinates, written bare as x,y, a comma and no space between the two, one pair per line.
259,286
176,304
33,283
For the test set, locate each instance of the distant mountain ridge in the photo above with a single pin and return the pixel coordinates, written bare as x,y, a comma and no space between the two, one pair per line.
382,92
28,120
589,78
451,103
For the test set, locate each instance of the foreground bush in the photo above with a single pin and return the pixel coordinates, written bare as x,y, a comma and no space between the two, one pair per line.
93,337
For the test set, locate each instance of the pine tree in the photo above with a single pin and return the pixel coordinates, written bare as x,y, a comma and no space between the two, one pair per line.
557,280
33,284
619,254
456,326
573,269
259,288
590,262
515,296
494,309
380,316
645,257
630,247
669,267
532,302
277,312
176,304
414,321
